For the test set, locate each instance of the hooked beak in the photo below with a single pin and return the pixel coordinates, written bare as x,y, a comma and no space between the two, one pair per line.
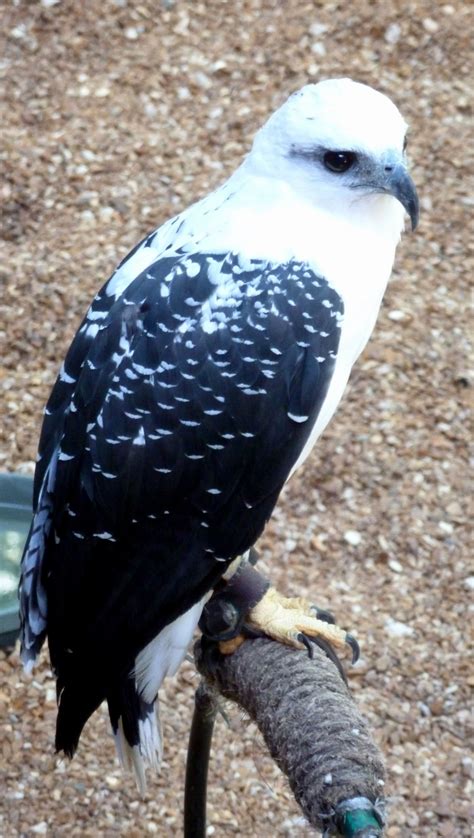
397,182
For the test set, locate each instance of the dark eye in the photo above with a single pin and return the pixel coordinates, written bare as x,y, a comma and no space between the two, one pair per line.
339,161
405,144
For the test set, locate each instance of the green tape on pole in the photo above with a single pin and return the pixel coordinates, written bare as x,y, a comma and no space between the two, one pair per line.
360,819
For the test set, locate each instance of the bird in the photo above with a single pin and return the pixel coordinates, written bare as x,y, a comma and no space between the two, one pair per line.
198,382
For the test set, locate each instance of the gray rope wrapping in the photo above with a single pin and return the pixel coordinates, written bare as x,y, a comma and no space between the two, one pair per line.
309,722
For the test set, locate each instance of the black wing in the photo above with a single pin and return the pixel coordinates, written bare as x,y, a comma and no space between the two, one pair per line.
172,429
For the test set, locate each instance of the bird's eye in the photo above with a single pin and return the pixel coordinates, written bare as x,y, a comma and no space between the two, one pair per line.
339,161
405,144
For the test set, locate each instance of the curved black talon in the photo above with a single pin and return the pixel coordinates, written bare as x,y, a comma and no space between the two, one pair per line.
306,641
324,615
326,647
352,642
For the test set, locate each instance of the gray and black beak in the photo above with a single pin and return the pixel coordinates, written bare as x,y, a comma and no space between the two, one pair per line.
397,182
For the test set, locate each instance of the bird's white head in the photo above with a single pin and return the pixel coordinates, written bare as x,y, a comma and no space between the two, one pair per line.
342,145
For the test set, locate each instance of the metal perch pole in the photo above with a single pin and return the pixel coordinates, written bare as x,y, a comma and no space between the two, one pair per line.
312,729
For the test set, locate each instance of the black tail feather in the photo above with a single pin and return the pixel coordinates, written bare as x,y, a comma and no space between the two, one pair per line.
76,705
126,705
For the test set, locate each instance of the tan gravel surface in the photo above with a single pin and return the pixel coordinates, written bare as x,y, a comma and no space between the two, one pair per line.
118,114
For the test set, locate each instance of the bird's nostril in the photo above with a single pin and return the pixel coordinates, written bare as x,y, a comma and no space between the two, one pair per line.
389,168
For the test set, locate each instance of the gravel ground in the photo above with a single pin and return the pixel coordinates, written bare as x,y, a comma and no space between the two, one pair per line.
118,115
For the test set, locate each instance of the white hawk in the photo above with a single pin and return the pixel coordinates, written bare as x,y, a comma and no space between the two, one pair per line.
201,377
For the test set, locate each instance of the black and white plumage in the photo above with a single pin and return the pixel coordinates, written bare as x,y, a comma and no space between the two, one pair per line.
200,378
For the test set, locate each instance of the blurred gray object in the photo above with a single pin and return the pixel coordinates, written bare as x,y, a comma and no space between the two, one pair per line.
16,491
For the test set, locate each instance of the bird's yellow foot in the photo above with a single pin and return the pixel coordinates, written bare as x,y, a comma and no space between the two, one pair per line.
294,621
244,605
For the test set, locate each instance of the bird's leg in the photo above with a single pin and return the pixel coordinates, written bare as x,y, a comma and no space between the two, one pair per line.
246,606
241,588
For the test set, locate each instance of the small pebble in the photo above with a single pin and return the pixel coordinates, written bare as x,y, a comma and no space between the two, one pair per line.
396,315
395,566
131,33
40,828
353,537
430,25
398,629
392,33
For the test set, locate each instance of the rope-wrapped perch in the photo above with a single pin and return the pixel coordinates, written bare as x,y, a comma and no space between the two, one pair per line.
312,729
